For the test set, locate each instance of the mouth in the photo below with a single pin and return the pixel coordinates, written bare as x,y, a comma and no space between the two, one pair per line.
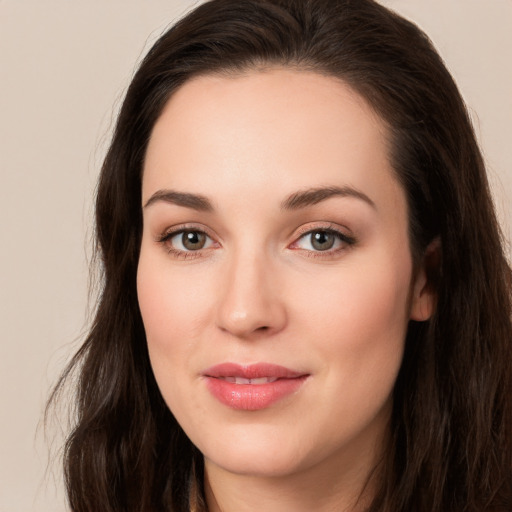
252,387
242,380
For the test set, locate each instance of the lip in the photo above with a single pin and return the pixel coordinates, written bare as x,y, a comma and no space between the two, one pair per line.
226,383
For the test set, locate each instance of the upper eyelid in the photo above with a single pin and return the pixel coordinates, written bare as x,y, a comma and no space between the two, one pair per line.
322,226
171,231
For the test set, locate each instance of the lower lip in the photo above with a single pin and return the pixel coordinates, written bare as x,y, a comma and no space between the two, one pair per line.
252,397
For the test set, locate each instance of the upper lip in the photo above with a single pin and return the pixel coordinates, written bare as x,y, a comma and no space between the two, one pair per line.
252,371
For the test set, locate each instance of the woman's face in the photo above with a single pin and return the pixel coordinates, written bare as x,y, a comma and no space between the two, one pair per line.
275,278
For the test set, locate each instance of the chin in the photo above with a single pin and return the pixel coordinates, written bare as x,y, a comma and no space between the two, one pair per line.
248,463
261,454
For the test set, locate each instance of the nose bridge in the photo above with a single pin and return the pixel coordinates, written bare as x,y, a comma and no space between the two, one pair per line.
249,301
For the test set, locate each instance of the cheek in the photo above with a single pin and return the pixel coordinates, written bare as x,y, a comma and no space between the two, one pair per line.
171,300
359,298
377,307
358,320
358,326
172,308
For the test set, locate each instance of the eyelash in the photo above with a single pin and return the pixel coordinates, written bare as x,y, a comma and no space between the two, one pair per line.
165,238
346,241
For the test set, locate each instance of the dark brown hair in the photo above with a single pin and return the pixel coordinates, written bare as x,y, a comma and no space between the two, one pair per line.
450,448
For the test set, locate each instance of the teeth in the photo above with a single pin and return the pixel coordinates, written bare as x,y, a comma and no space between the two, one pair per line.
263,380
241,380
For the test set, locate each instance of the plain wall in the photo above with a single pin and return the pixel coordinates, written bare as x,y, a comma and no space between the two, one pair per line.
64,66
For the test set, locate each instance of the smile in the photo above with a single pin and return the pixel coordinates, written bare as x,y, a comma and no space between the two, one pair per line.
253,387
241,380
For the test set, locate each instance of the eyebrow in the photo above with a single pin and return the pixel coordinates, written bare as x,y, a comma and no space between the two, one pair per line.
194,201
295,201
312,196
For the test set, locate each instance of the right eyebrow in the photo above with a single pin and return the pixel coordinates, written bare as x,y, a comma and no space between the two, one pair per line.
187,200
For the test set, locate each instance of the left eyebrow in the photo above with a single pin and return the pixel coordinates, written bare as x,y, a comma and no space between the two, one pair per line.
311,196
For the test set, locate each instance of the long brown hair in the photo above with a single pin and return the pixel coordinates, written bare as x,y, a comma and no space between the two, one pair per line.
451,438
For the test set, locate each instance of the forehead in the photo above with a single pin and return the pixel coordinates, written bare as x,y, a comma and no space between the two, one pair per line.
297,128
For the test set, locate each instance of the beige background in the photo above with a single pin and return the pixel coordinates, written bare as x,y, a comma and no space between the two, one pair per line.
64,67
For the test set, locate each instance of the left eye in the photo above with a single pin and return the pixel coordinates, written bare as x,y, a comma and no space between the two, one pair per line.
321,240
189,240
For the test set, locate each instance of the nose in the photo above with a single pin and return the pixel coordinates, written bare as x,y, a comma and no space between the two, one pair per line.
250,303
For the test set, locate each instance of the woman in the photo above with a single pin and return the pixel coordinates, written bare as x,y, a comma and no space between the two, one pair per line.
306,303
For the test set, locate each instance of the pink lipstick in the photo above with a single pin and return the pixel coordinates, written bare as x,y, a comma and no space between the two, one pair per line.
252,387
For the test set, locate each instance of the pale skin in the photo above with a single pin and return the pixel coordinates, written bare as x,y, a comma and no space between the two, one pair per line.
229,160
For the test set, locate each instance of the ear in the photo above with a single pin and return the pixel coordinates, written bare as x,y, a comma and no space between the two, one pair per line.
424,290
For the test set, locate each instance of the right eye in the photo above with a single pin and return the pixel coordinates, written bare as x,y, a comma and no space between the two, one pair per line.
183,242
190,240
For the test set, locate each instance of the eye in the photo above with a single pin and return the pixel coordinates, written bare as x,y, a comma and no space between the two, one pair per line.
190,240
185,241
323,240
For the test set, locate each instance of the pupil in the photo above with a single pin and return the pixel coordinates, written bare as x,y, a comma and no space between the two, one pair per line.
322,240
193,240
